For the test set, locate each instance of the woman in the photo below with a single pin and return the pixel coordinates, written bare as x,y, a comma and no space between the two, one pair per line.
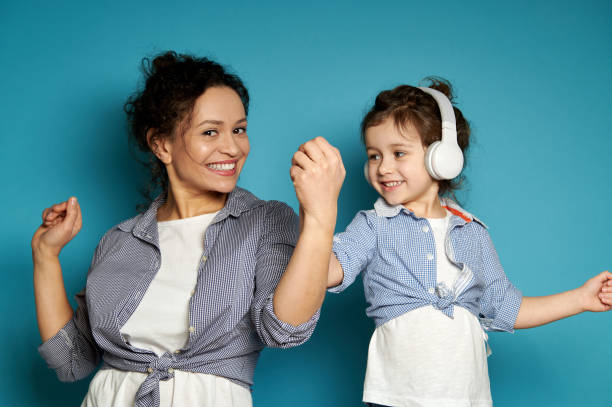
174,320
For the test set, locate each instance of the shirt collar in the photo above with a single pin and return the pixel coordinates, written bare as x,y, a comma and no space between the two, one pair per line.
144,225
383,209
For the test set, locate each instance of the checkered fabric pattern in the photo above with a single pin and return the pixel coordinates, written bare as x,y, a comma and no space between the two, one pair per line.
247,248
395,250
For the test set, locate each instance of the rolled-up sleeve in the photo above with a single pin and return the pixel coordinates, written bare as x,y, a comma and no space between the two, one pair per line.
501,300
276,246
354,248
72,351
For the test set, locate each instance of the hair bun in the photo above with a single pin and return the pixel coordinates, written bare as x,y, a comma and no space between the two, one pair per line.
164,60
439,84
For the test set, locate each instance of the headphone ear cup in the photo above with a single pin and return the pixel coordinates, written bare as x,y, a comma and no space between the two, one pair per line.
429,159
443,160
366,173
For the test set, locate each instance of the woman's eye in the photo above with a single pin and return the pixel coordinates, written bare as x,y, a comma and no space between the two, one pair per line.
240,130
399,154
210,132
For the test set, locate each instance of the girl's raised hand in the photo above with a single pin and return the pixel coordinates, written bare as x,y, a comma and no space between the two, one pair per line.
605,294
597,293
60,223
317,173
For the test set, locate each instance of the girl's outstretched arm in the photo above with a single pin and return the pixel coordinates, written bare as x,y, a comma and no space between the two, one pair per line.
335,273
595,295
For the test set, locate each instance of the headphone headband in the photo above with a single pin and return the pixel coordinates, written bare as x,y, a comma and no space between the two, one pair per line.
447,114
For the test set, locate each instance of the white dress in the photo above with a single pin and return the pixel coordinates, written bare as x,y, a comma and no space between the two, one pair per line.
424,358
161,324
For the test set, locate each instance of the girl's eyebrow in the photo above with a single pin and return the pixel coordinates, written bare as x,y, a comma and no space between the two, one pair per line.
407,144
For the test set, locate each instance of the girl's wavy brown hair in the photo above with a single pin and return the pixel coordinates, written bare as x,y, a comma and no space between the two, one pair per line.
410,105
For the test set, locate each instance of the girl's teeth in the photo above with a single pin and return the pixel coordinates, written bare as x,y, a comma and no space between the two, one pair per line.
391,184
222,167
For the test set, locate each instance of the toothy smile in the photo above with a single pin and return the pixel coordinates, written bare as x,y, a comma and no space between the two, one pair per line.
222,167
391,184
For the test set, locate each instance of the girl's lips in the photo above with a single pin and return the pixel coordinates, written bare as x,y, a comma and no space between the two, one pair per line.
390,185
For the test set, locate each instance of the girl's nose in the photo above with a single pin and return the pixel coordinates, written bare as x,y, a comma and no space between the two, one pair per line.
385,167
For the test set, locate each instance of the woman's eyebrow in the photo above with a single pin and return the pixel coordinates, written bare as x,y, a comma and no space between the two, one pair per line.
210,121
220,122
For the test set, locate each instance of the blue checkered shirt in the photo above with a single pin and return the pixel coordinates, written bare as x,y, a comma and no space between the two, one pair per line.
395,250
247,248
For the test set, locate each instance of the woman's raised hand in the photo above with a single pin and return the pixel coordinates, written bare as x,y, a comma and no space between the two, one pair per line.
60,223
317,173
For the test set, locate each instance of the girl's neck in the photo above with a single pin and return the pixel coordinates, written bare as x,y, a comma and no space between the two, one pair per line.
427,205
423,209
185,204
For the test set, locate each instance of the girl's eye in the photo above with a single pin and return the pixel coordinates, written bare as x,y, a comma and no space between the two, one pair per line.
373,157
210,133
399,154
240,130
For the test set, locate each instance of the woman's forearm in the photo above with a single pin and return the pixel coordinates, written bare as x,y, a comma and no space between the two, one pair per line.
301,290
53,310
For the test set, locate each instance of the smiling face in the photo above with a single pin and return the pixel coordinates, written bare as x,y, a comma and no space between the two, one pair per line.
206,156
396,165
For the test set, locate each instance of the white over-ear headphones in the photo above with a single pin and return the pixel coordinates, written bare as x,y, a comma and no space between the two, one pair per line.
444,158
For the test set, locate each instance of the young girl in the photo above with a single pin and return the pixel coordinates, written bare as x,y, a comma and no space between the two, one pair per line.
431,274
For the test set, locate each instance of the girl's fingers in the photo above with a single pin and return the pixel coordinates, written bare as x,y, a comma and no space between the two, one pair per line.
606,298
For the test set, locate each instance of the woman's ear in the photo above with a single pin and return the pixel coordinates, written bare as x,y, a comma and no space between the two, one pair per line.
159,146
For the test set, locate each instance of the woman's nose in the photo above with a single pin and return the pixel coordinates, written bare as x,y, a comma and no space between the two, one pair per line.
228,145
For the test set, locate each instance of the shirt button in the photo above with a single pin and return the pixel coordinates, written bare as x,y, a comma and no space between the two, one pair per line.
425,229
191,329
150,370
176,352
430,256
204,259
170,370
431,290
192,292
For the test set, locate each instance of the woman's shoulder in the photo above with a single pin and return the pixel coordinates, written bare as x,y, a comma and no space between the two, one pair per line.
241,200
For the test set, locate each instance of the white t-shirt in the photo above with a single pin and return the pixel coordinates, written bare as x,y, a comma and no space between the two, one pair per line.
161,324
424,358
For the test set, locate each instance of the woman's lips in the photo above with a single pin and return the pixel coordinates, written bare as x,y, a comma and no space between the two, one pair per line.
224,168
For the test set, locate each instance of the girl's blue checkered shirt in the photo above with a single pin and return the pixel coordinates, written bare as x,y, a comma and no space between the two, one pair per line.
395,250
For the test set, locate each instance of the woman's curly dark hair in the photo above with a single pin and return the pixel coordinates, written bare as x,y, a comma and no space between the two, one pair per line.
410,105
172,84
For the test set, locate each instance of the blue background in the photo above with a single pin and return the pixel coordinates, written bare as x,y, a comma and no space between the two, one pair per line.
533,78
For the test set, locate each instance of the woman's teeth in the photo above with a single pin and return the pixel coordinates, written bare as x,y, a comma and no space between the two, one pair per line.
222,167
392,183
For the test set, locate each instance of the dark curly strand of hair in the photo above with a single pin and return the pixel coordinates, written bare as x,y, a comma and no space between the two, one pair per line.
172,84
410,105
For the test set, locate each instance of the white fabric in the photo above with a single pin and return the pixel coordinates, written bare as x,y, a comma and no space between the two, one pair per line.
161,324
424,358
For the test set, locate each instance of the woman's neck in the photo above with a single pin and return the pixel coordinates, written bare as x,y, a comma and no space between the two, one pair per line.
184,204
